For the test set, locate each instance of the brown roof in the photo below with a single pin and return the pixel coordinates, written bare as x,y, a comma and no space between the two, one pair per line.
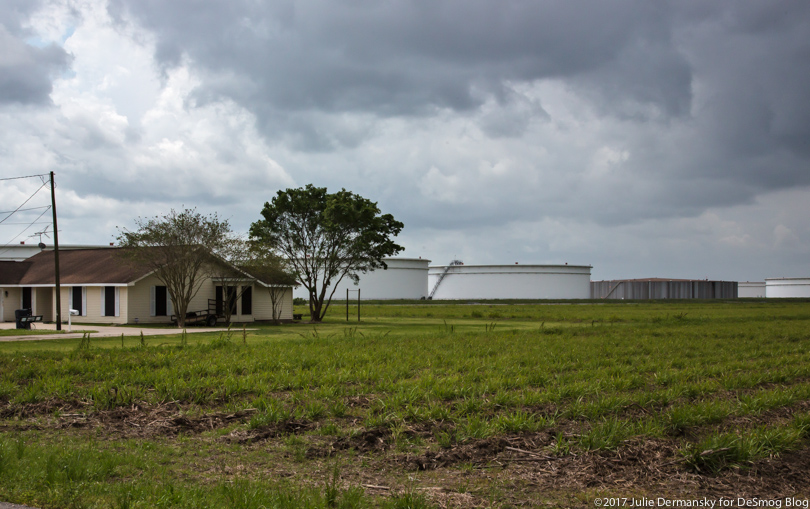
78,267
12,272
102,266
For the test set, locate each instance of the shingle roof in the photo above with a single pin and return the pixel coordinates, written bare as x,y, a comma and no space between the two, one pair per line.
12,272
77,267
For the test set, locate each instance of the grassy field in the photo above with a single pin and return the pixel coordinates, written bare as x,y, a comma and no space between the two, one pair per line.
419,405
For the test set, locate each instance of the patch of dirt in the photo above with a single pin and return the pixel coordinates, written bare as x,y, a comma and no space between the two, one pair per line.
41,408
292,426
475,452
374,440
137,421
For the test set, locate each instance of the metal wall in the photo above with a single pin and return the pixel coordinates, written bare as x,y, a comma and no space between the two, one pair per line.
511,281
785,287
406,278
751,289
678,289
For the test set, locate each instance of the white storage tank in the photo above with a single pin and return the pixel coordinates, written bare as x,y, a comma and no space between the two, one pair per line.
458,281
405,278
783,287
751,289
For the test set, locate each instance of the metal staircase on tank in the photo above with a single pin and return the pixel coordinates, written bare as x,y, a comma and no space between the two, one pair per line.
441,276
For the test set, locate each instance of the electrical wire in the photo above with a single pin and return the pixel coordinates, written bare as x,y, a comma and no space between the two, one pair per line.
18,224
45,182
26,177
24,210
23,203
25,229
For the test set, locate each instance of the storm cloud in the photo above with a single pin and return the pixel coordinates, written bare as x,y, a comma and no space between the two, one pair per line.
498,131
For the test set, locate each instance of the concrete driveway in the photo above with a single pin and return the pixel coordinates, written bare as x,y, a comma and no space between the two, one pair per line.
99,331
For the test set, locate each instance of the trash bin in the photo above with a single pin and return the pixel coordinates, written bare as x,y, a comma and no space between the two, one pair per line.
18,317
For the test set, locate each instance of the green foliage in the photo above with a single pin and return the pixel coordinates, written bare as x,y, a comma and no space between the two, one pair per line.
178,247
702,385
326,237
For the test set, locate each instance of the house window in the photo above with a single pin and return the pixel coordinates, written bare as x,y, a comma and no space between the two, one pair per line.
26,298
109,301
247,300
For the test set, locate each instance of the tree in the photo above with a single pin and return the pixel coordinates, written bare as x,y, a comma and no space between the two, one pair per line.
179,247
326,237
274,272
235,251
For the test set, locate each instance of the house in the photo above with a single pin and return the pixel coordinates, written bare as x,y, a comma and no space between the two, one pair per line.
106,287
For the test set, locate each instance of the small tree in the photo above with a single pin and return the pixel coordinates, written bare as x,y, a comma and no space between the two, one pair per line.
273,271
178,246
234,251
326,237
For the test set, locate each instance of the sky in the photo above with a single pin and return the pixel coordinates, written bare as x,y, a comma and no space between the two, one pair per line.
647,139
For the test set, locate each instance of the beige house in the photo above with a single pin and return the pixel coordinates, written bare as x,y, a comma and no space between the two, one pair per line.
107,288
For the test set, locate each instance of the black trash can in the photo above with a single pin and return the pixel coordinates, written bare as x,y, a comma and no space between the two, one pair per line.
18,315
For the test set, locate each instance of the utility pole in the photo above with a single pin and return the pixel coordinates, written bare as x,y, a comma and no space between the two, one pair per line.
56,258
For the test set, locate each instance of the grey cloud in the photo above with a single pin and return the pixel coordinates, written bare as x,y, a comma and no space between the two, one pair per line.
26,72
409,58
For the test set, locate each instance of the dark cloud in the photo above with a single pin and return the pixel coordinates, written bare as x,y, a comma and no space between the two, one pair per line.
409,58
520,126
26,71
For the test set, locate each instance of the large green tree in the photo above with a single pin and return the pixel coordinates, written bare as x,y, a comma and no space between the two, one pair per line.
326,237
181,248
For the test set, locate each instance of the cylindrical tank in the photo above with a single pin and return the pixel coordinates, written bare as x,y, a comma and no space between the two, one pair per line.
405,278
781,287
751,289
510,281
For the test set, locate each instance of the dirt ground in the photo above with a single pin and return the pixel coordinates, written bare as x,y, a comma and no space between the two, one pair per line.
509,470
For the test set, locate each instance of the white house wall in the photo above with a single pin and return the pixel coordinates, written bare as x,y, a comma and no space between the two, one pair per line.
406,278
140,298
511,282
11,302
262,306
92,314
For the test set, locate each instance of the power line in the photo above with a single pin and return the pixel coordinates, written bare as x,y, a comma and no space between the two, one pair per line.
17,224
21,208
23,203
26,228
24,210
25,177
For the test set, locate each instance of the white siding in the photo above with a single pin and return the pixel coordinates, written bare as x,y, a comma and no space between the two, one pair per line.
262,309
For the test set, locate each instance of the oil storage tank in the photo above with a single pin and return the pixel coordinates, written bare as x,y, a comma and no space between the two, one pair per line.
750,289
459,281
785,287
405,278
662,288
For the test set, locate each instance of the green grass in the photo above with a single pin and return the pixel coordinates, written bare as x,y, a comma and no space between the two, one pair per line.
30,332
723,383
